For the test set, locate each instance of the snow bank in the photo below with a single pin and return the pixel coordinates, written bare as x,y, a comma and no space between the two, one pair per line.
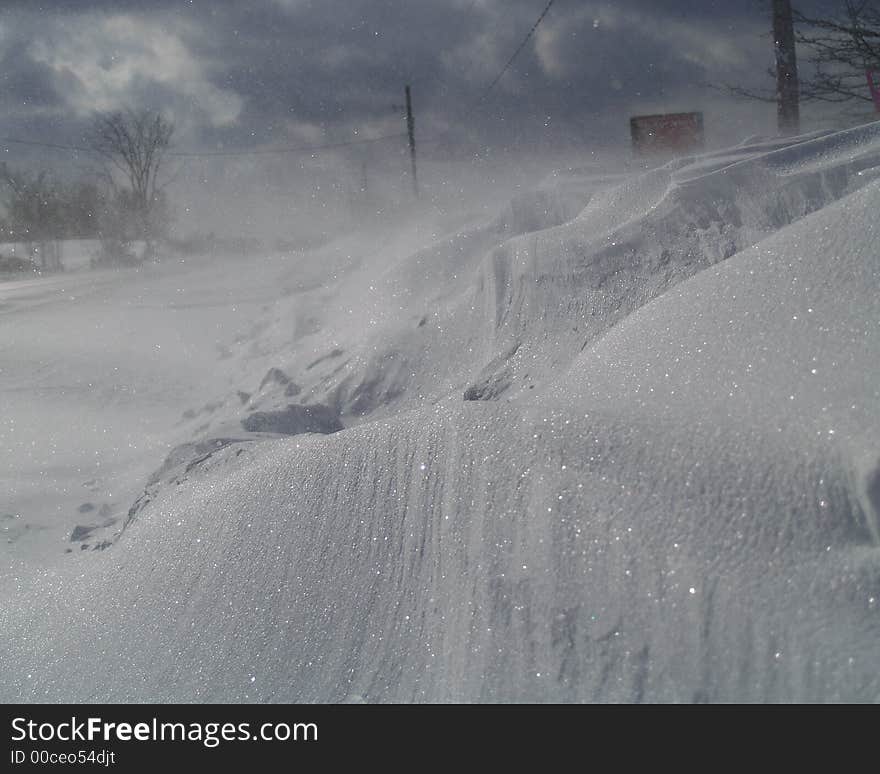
683,508
558,268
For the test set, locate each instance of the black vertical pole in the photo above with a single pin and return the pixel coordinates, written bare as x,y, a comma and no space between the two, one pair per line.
787,89
411,131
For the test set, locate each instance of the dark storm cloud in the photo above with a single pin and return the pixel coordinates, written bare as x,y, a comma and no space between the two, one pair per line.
281,71
25,84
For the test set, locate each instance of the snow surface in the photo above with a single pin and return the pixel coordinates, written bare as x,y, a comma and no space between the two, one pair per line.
668,491
96,370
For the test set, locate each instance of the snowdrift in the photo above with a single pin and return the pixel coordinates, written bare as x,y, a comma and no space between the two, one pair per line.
494,308
673,494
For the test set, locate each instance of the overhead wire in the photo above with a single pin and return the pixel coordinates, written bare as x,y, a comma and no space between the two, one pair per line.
311,149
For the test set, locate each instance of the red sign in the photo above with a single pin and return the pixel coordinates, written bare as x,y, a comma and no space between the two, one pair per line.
874,86
667,132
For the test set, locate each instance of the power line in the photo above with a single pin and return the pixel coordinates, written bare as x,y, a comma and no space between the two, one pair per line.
301,148
298,149
515,54
441,137
56,146
234,152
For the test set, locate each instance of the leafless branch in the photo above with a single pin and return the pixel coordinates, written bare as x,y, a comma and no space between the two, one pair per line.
837,49
135,145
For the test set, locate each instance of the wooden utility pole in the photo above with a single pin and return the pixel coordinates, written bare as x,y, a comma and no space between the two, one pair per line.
411,132
787,89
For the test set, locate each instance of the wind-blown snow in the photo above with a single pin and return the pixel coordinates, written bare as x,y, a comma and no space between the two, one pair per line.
673,494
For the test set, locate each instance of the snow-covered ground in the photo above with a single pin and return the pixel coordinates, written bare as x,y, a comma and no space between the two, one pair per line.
94,369
616,442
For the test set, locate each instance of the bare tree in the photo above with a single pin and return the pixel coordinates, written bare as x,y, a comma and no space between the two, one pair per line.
135,145
838,49
34,210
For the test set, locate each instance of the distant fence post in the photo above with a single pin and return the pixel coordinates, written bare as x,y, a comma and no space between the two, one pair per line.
411,132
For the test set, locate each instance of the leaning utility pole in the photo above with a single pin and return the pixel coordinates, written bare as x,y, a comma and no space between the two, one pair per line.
411,132
787,89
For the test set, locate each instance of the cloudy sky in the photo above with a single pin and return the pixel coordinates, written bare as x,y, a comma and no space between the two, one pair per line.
260,72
